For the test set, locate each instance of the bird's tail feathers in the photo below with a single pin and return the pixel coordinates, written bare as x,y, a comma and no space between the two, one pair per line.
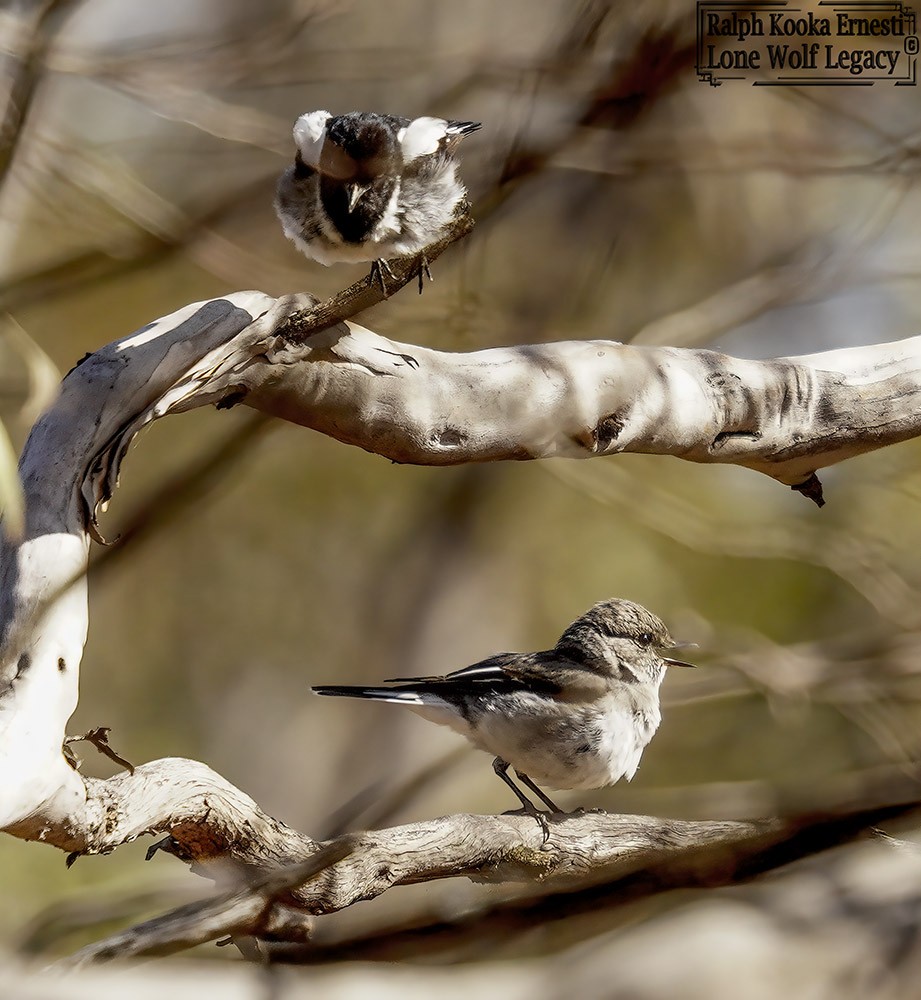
371,693
463,128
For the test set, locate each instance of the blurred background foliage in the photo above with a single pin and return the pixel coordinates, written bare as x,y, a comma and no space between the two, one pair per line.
618,197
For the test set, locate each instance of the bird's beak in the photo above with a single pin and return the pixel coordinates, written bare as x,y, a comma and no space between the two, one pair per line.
679,645
355,192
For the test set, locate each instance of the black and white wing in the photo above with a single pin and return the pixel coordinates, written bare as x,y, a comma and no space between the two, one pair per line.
309,136
428,136
501,672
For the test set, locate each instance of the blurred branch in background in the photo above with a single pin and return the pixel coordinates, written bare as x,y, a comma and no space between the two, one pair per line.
868,565
174,498
28,31
42,378
11,500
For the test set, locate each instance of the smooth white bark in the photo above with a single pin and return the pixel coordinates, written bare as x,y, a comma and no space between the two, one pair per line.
68,469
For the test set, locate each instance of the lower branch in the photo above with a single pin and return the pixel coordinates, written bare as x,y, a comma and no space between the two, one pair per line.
582,848
591,860
733,861
847,924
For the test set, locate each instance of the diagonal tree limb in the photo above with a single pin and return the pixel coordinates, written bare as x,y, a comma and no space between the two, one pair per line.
591,861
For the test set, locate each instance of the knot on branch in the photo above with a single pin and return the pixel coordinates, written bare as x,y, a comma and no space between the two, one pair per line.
812,489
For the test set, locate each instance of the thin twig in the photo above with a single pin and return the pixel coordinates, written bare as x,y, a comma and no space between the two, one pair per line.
367,292
99,738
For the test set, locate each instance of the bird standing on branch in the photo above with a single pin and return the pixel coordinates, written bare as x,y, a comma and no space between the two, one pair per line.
365,186
575,716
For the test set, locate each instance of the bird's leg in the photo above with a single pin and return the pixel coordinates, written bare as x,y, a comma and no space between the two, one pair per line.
527,806
379,268
501,768
525,780
424,270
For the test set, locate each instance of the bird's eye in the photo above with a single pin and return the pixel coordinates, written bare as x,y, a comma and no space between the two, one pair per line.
646,638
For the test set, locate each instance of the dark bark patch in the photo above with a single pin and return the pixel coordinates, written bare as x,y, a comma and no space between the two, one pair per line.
724,436
231,399
608,430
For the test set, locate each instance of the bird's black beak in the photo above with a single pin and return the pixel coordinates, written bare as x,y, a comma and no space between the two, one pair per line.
355,192
679,663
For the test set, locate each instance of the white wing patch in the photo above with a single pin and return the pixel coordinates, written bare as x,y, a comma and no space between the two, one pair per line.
422,136
398,697
310,134
482,673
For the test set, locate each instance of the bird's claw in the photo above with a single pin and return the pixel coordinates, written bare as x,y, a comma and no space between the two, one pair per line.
381,271
538,815
424,271
379,268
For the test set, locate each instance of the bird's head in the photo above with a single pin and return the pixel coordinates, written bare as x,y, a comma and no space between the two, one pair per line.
622,637
361,154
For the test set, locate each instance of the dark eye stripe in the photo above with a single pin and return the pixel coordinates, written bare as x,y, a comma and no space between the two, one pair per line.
645,638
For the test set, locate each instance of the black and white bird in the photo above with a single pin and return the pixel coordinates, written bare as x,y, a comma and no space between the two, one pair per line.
366,186
575,716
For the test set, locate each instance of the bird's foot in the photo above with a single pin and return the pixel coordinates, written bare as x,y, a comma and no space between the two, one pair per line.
537,814
424,270
528,808
379,268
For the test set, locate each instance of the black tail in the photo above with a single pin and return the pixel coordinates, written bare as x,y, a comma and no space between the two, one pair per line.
372,693
463,128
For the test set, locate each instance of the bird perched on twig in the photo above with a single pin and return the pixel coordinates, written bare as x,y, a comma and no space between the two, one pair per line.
575,716
365,186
